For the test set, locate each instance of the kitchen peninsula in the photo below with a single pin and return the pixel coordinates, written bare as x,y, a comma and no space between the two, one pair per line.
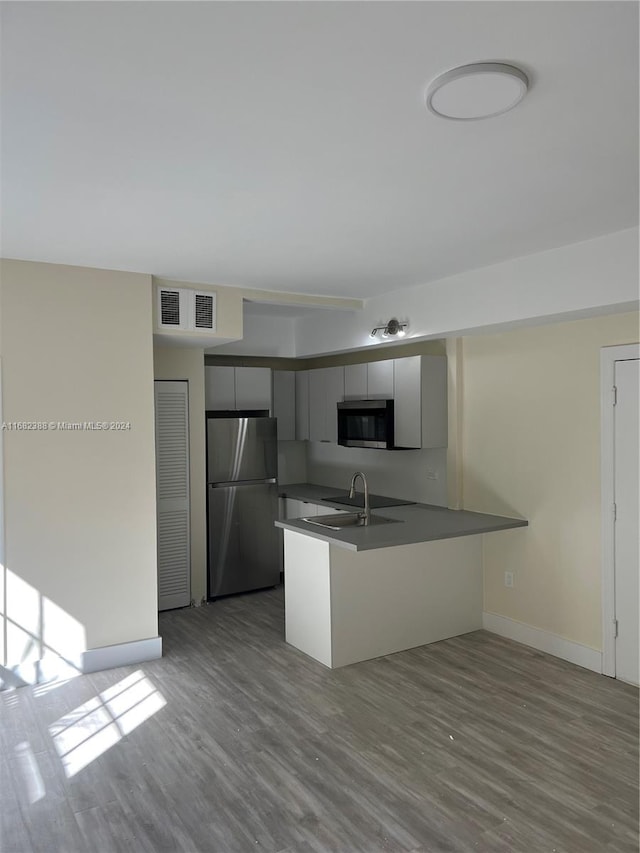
356,593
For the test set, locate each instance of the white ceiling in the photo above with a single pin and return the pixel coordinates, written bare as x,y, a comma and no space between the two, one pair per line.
285,146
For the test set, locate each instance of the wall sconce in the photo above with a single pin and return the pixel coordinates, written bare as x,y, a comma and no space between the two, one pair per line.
393,327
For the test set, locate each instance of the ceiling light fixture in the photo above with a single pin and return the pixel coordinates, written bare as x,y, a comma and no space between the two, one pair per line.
479,90
393,327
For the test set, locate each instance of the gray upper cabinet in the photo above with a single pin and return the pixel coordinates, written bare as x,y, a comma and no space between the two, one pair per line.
305,401
326,388
355,382
317,405
302,405
380,380
407,402
284,403
237,388
219,388
420,401
253,388
372,381
335,394
434,401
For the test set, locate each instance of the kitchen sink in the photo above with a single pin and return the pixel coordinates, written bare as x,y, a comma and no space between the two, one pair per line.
347,519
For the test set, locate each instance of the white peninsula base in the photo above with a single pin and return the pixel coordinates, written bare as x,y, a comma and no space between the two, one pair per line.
344,606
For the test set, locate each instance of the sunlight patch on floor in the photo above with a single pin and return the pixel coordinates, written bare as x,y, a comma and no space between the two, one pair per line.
94,727
31,776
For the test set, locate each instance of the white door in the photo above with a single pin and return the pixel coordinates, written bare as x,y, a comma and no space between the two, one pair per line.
172,487
626,533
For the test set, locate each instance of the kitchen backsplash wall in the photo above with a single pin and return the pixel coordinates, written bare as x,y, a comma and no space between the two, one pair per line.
292,462
417,475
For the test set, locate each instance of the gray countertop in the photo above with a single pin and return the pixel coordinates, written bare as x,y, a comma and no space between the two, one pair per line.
311,492
415,522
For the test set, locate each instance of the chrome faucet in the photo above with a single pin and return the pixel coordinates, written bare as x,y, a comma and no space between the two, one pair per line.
365,515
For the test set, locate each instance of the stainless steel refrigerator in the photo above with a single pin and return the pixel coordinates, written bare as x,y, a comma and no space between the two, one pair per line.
242,504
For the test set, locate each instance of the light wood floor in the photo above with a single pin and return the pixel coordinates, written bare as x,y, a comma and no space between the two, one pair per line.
471,744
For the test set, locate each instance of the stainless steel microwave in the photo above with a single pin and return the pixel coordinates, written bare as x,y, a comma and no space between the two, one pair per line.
366,423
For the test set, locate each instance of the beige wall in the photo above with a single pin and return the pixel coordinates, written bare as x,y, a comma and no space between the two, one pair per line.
531,447
187,363
80,505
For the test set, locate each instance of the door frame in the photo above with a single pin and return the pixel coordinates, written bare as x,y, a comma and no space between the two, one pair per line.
608,358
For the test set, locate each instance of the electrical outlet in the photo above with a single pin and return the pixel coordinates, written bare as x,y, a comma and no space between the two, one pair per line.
508,578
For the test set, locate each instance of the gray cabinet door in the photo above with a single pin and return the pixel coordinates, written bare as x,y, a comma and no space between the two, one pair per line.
219,388
334,390
317,403
380,380
434,401
420,401
326,388
407,402
284,403
355,382
371,381
231,388
253,388
302,405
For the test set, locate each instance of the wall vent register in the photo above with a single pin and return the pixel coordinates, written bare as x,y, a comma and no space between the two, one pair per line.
186,310
169,308
204,305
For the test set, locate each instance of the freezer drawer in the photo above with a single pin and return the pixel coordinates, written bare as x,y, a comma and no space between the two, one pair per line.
243,542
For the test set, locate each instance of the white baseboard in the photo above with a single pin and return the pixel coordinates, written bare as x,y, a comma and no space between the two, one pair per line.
544,641
122,654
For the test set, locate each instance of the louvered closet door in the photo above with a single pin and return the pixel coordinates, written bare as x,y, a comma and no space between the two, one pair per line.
172,484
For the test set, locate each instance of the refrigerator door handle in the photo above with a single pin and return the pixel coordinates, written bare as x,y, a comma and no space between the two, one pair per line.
225,485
